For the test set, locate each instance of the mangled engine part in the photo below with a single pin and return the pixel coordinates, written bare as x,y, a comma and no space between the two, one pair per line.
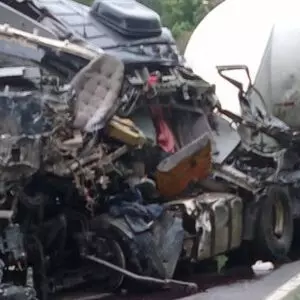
16,292
97,87
218,224
154,101
13,256
19,157
154,97
21,127
14,260
32,112
44,127
36,132
12,247
152,246
168,84
234,176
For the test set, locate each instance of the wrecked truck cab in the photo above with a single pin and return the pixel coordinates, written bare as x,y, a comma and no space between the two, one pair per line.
81,174
22,120
61,58
266,157
37,113
104,195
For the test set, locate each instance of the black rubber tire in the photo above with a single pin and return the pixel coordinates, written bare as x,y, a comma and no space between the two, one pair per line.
269,245
116,281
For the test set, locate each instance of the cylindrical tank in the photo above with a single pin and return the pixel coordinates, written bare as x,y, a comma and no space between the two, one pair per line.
262,34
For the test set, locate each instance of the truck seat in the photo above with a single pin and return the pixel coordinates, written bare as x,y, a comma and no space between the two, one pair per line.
97,88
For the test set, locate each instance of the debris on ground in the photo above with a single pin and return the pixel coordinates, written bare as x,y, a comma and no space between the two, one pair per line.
262,268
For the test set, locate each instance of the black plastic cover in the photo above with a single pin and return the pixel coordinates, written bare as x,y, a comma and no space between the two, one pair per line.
128,17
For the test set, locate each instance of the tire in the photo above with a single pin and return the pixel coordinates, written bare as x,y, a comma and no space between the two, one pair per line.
115,279
275,226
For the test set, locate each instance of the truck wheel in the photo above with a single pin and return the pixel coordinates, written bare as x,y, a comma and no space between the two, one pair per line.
274,232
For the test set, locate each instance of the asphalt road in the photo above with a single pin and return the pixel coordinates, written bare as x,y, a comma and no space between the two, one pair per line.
224,288
256,289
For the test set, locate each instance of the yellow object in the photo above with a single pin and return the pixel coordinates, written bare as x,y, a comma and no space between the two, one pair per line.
124,130
190,163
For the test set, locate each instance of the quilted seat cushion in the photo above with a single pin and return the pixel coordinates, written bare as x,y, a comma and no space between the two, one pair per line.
97,87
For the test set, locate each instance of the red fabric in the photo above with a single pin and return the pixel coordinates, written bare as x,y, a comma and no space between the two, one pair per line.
152,80
164,135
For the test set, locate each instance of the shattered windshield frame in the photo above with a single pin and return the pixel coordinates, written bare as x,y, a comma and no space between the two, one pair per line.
63,65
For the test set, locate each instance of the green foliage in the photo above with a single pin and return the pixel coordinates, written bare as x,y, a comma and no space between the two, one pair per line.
86,2
221,262
181,15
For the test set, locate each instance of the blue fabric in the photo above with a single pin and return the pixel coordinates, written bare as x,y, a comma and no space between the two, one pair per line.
130,206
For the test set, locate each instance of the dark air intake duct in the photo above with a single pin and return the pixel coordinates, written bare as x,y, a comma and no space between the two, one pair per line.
128,17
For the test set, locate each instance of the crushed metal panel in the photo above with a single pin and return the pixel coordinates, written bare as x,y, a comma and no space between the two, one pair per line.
24,72
225,138
218,223
10,33
79,21
237,177
18,20
19,157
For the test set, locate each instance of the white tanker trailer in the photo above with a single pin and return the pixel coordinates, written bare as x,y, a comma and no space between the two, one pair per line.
265,36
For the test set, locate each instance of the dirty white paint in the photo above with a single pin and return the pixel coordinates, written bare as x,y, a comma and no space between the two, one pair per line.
237,32
225,37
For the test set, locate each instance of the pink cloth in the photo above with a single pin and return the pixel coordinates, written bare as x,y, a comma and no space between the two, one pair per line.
164,136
